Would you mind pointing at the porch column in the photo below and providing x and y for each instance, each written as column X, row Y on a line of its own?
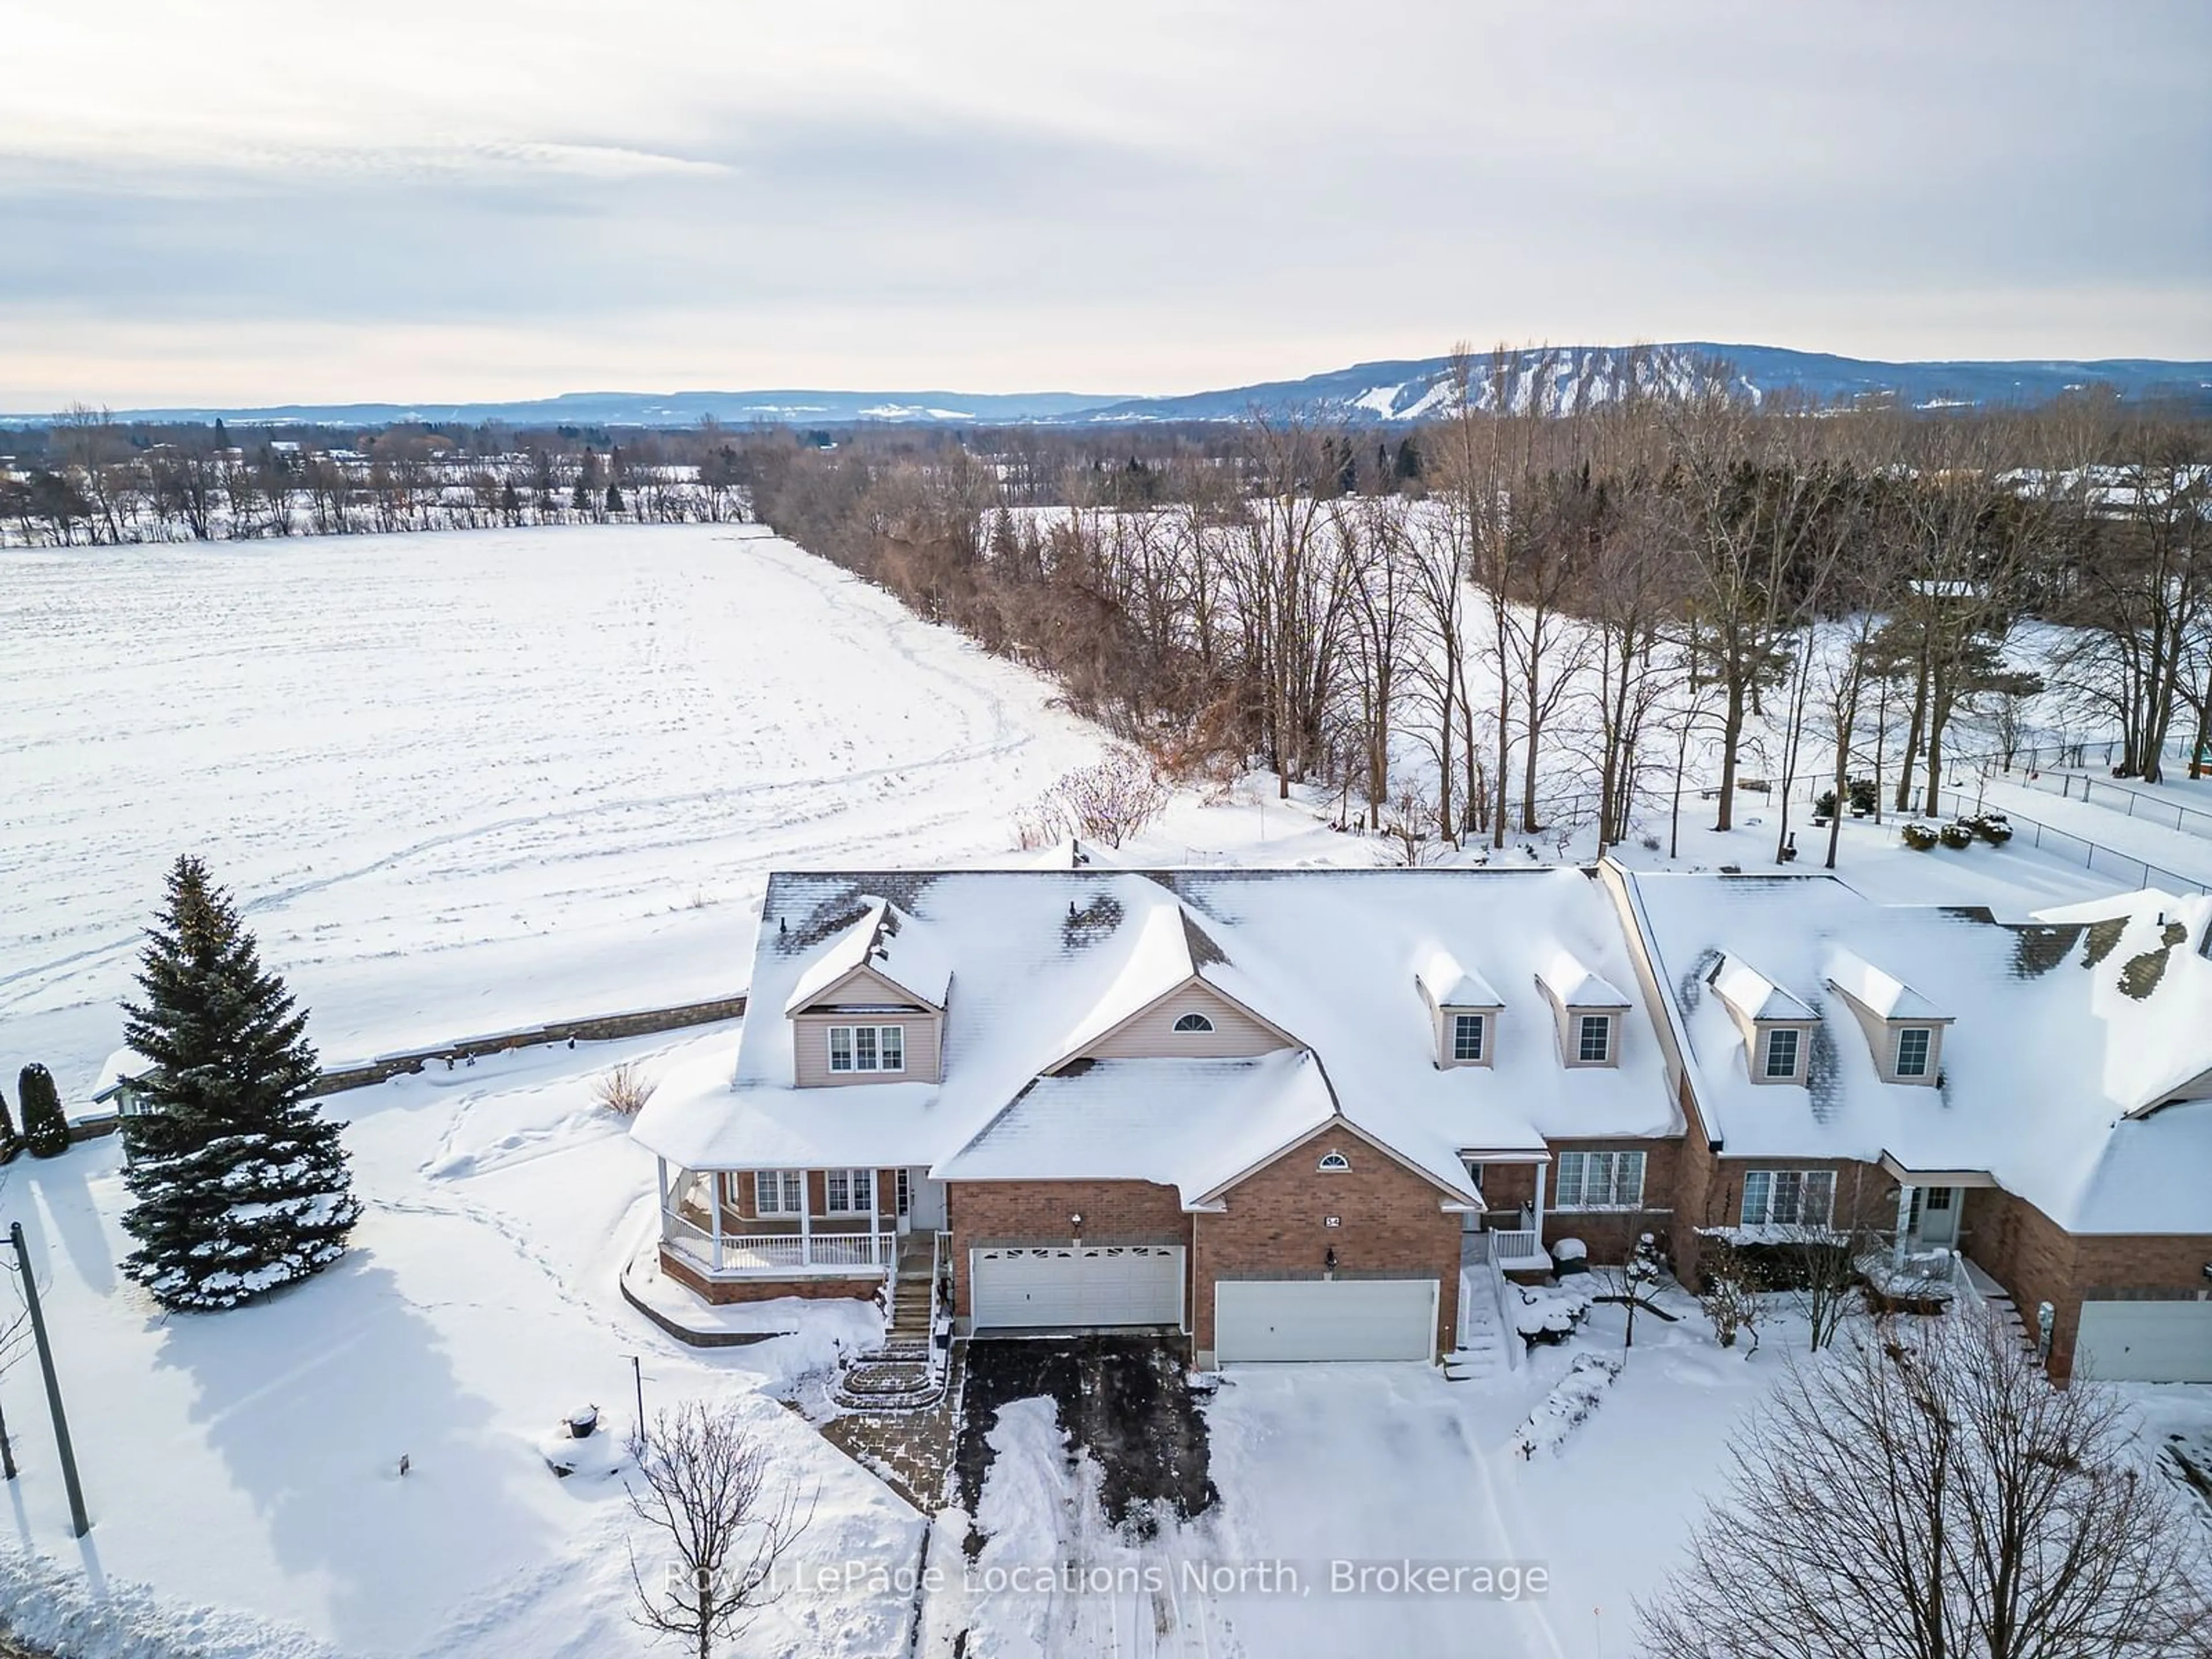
column 1904, row 1190
column 805, row 1225
column 660, row 1185
column 715, row 1207
column 1537, row 1213
column 875, row 1243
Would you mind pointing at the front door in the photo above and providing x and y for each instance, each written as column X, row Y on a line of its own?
column 1936, row 1217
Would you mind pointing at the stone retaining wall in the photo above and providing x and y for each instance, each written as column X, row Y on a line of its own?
column 599, row 1028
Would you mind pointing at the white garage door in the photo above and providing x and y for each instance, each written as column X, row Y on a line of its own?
column 1064, row 1286
column 1324, row 1319
column 2146, row 1341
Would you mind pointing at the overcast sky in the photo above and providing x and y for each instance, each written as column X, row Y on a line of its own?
column 233, row 203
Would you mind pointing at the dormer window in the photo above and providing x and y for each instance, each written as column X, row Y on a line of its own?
column 1461, row 1008
column 1782, row 1044
column 867, row 1048
column 1469, row 1036
column 1194, row 1022
column 1914, row 1045
column 1594, row 1039
column 1904, row 1030
column 1588, row 1011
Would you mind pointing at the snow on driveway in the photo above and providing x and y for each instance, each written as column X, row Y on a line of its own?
column 1367, row 1464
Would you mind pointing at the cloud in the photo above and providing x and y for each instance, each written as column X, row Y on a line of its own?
column 1147, row 197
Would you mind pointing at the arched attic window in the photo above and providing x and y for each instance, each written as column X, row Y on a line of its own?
column 1334, row 1164
column 1194, row 1022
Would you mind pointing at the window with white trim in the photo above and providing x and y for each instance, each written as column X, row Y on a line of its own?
column 1599, row 1180
column 847, row 1191
column 778, row 1192
column 1782, row 1044
column 867, row 1048
column 1334, row 1164
column 1594, row 1038
column 1467, row 1036
column 1194, row 1022
column 1915, row 1045
column 1789, row 1198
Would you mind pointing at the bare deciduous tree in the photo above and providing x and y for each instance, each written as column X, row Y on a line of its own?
column 1926, row 1493
column 701, row 1480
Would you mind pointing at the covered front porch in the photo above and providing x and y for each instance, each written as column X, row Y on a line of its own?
column 1509, row 1230
column 791, row 1224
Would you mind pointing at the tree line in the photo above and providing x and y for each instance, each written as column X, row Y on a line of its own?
column 1607, row 584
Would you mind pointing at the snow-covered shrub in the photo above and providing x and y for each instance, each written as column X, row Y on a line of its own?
column 1545, row 1315
column 624, row 1090
column 1570, row 1255
column 1108, row 802
column 1568, row 1407
column 1919, row 836
column 1824, row 806
column 1958, row 835
column 1866, row 799
column 1992, row 827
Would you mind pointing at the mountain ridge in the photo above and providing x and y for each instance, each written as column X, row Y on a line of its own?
column 1386, row 391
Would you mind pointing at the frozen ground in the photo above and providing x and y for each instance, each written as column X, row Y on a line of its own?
column 471, row 782
column 250, row 1462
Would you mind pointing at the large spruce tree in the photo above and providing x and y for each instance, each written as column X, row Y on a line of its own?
column 242, row 1184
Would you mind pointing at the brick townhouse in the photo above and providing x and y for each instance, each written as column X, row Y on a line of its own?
column 1282, row 1112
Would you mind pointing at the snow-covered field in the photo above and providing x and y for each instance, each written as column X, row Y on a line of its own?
column 472, row 781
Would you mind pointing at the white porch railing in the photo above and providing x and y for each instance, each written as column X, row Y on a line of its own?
column 1512, row 1244
column 739, row 1254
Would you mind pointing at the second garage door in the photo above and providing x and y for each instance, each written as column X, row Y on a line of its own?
column 2146, row 1341
column 1259, row 1319
column 1061, row 1287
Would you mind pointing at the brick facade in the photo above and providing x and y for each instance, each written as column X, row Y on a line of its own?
column 2038, row 1261
column 1040, row 1211
column 721, row 1292
column 1274, row 1224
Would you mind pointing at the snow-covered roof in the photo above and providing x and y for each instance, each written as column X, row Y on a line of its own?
column 1880, row 992
column 1451, row 986
column 2060, row 1029
column 885, row 941
column 123, row 1065
column 1189, row 1124
column 1751, row 994
column 1048, row 960
column 1573, row 983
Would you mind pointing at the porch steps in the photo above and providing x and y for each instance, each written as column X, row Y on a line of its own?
column 898, row 1375
column 1998, row 1300
column 1481, row 1353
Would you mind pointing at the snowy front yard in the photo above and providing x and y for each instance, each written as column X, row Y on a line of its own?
column 242, row 1468
column 249, row 1461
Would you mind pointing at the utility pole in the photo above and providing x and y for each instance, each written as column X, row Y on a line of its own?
column 7, row 1450
column 637, row 1375
column 80, row 1521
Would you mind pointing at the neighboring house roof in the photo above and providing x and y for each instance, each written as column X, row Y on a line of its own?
column 1754, row 995
column 125, row 1068
column 2059, row 1029
column 1048, row 961
column 1450, row 986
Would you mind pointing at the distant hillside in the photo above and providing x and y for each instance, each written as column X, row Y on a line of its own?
column 1408, row 390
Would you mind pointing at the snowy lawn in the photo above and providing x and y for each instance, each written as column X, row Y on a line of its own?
column 465, row 782
column 249, row 1460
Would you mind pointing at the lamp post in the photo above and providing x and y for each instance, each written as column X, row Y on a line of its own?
column 80, row 1522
